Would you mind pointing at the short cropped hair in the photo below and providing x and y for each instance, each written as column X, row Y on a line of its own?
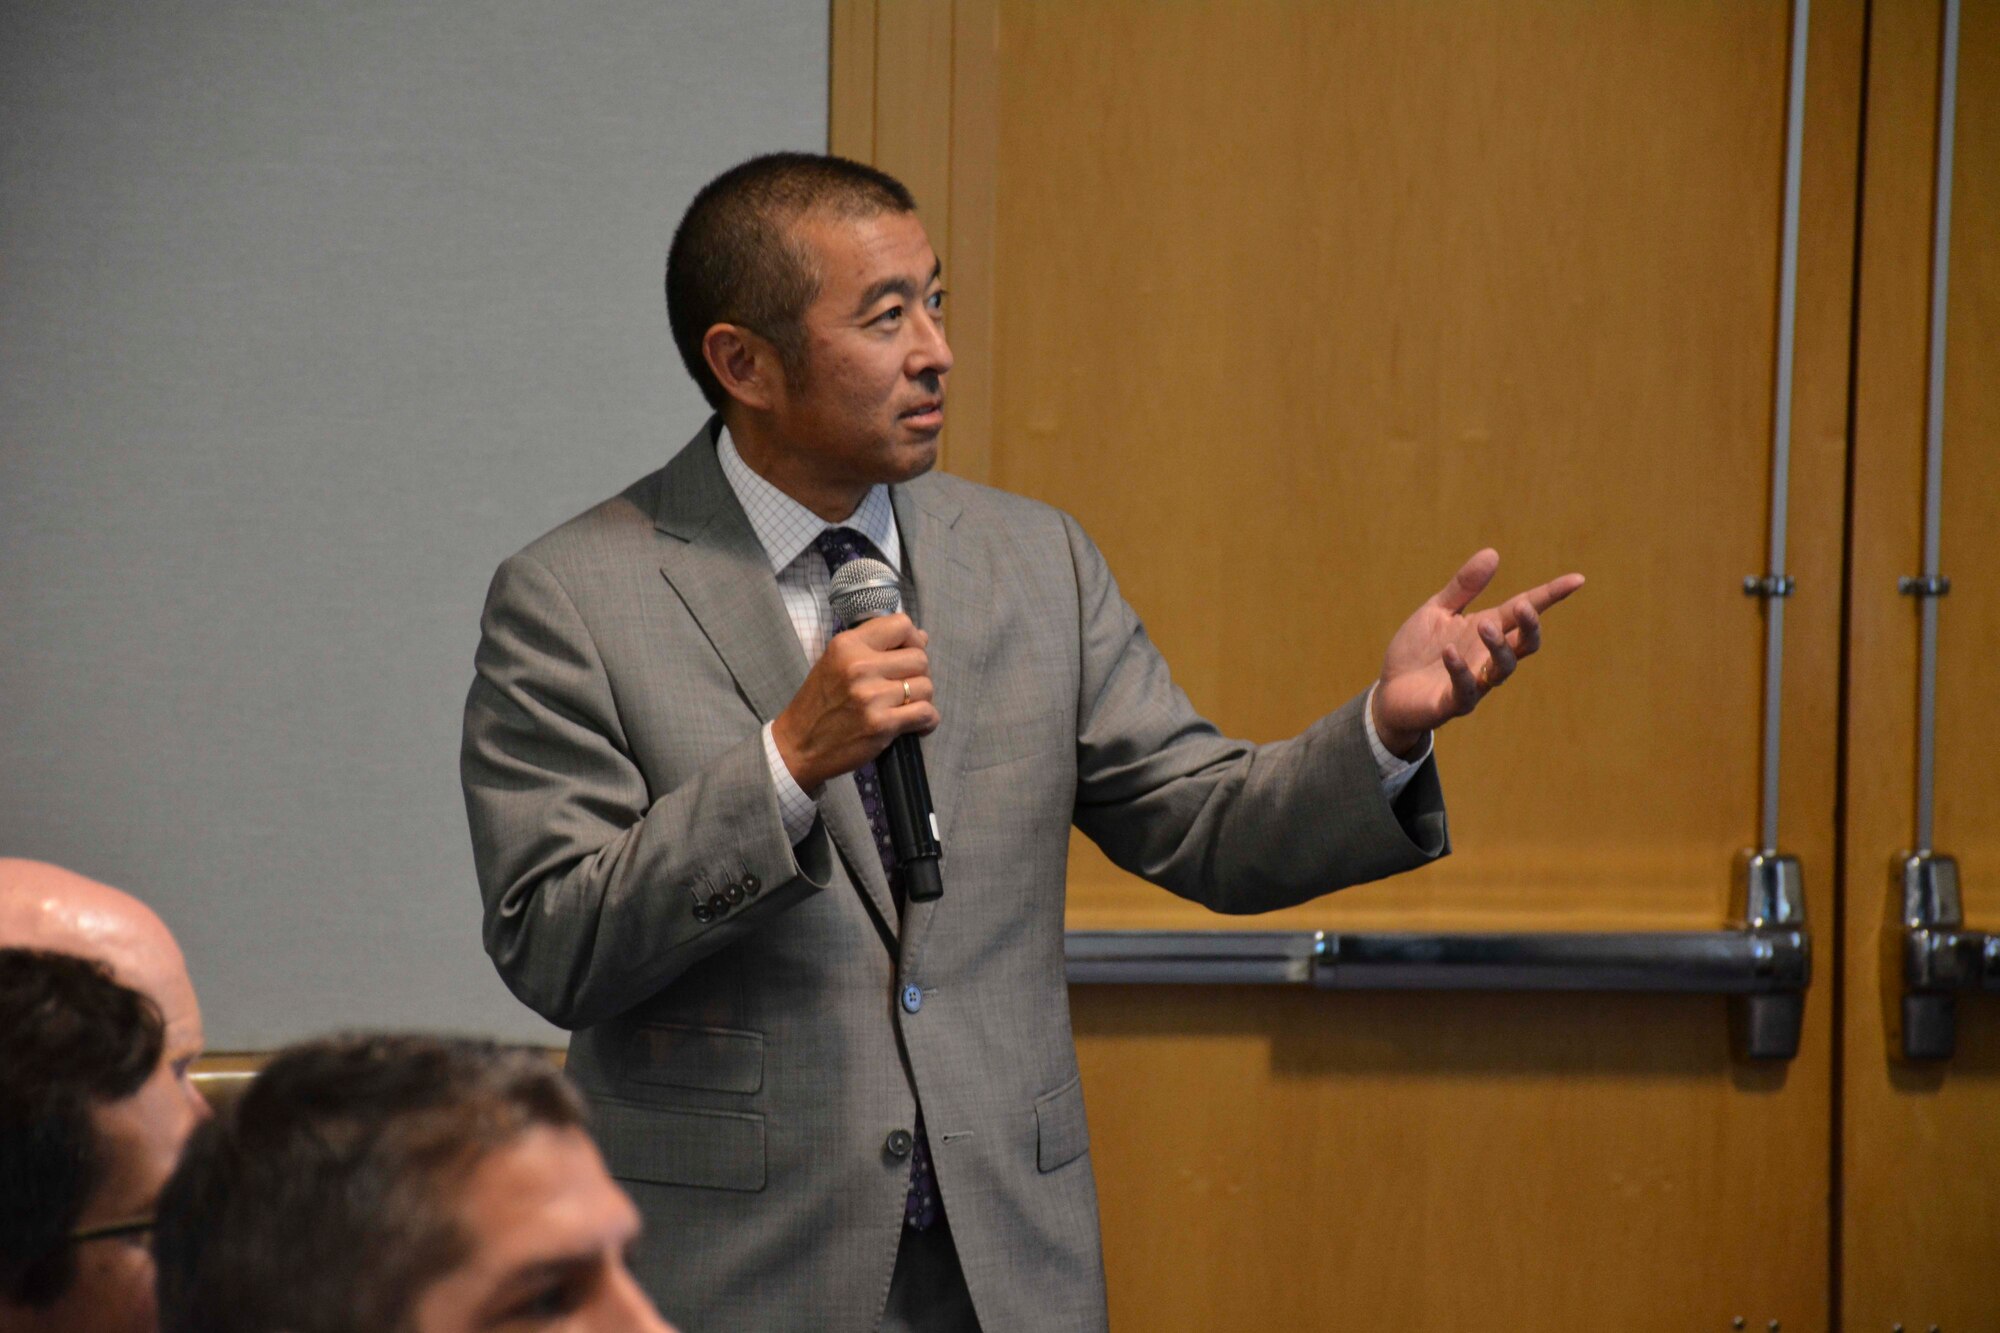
column 71, row 1038
column 323, row 1200
column 734, row 259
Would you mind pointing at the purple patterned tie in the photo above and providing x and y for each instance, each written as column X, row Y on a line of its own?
column 920, row 1204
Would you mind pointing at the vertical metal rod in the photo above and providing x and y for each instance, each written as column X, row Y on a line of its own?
column 1934, row 428
column 1781, row 425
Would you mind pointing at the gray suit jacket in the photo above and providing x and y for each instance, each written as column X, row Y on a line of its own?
column 740, row 1026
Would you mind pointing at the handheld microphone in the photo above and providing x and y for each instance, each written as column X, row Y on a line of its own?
column 862, row 590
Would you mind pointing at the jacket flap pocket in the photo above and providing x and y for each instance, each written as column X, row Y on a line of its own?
column 721, row 1150
column 681, row 1055
column 1061, row 1136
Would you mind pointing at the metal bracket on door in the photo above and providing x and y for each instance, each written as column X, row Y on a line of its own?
column 1939, row 958
column 1770, row 905
column 1764, row 963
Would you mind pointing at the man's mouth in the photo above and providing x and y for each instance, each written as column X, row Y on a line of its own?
column 929, row 412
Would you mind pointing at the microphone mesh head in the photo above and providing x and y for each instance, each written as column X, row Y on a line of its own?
column 864, row 589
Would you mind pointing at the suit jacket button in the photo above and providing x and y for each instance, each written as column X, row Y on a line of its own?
column 898, row 1144
column 913, row 999
column 750, row 885
column 733, row 892
column 717, row 904
column 703, row 913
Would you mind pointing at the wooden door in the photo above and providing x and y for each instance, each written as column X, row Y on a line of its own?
column 1920, row 1142
column 1297, row 304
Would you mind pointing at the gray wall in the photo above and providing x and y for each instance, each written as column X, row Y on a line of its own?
column 309, row 314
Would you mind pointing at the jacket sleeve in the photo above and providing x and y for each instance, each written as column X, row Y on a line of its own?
column 1235, row 826
column 597, row 890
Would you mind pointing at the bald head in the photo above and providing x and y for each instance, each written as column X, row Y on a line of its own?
column 46, row 907
column 135, row 1139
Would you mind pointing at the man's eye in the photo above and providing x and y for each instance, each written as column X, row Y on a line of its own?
column 936, row 301
column 893, row 315
column 550, row 1302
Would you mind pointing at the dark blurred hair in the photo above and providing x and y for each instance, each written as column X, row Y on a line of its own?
column 322, row 1201
column 70, row 1038
column 734, row 259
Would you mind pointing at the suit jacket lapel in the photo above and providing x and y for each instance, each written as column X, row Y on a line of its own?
column 723, row 576
column 948, row 598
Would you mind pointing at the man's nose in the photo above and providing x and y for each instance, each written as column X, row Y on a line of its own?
column 932, row 354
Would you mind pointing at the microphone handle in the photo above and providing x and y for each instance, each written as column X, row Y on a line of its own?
column 906, row 796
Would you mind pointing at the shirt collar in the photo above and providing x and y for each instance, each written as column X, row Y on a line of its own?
column 785, row 528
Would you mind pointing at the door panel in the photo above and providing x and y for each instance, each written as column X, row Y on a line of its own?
column 1920, row 1142
column 1408, row 286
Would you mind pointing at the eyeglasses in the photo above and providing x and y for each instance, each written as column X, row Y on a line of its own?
column 133, row 1226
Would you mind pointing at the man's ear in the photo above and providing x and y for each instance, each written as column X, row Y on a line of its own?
column 745, row 364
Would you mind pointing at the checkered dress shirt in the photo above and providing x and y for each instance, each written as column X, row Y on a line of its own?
column 787, row 530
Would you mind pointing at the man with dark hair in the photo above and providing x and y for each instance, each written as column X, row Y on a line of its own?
column 398, row 1184
column 838, row 1108
column 87, row 1134
column 735, row 261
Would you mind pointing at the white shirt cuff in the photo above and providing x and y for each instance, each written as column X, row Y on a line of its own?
column 1396, row 772
column 796, row 810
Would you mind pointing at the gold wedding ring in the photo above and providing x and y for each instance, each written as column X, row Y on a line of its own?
column 906, row 692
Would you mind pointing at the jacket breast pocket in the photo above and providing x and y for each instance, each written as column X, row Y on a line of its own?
column 682, row 1055
column 659, row 1145
column 1061, row 1136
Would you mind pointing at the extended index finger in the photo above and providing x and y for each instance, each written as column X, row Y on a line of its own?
column 1553, row 591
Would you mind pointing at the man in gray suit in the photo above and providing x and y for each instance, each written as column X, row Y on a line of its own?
column 838, row 1109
